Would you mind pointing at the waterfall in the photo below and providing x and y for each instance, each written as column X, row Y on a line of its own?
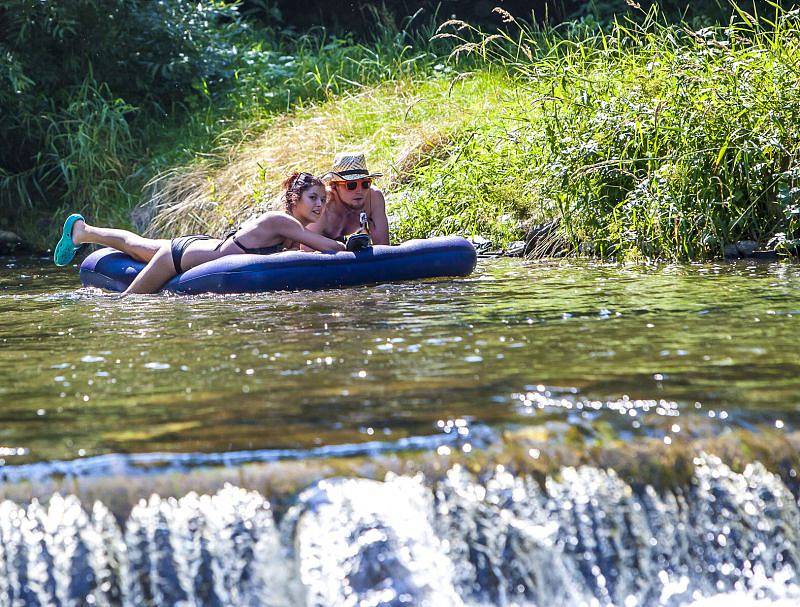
column 204, row 550
column 589, row 538
column 362, row 542
column 582, row 537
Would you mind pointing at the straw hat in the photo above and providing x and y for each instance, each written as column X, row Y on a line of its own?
column 349, row 166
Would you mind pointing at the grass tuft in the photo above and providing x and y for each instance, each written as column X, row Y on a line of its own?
column 647, row 140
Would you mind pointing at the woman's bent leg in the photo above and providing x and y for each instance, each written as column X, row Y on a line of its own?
column 155, row 274
column 138, row 247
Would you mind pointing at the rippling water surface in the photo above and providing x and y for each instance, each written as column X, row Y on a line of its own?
column 562, row 354
column 625, row 349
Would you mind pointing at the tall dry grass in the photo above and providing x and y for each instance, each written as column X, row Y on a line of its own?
column 399, row 125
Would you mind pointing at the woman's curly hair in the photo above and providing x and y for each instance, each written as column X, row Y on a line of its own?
column 294, row 186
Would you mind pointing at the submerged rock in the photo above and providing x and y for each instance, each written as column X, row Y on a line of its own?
column 746, row 248
column 730, row 251
column 750, row 250
column 9, row 242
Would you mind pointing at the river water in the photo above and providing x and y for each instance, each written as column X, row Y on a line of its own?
column 576, row 354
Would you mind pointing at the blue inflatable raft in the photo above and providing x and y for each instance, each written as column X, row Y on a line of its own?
column 293, row 270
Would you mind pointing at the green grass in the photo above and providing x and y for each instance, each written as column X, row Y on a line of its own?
column 401, row 125
column 645, row 141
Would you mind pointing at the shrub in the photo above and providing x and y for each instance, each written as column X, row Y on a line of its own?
column 70, row 73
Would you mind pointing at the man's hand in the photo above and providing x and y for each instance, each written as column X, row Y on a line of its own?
column 357, row 242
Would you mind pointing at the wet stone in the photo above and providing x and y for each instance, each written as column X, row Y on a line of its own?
column 746, row 248
column 730, row 251
column 516, row 249
column 9, row 242
column 766, row 255
column 481, row 243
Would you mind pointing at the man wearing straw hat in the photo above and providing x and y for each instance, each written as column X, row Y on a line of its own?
column 354, row 205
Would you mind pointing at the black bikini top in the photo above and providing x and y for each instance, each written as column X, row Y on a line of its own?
column 277, row 248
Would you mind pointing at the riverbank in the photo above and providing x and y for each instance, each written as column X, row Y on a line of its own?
column 646, row 141
column 637, row 141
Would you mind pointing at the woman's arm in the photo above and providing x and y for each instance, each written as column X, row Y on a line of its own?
column 291, row 229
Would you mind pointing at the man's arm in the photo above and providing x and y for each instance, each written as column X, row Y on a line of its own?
column 380, row 224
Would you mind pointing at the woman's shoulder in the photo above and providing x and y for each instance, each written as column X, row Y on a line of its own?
column 269, row 216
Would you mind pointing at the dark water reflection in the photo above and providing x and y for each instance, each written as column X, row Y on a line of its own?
column 706, row 347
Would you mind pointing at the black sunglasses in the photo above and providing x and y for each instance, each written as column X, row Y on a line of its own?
column 352, row 185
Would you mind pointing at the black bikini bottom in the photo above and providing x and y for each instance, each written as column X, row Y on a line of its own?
column 178, row 247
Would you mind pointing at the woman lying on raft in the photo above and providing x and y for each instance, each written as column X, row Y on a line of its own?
column 304, row 198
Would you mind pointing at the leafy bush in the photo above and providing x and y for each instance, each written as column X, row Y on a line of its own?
column 101, row 95
column 144, row 51
column 69, row 74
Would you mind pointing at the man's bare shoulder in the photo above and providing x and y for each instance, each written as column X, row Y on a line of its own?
column 377, row 198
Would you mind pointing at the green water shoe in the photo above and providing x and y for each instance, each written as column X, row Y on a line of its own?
column 65, row 249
